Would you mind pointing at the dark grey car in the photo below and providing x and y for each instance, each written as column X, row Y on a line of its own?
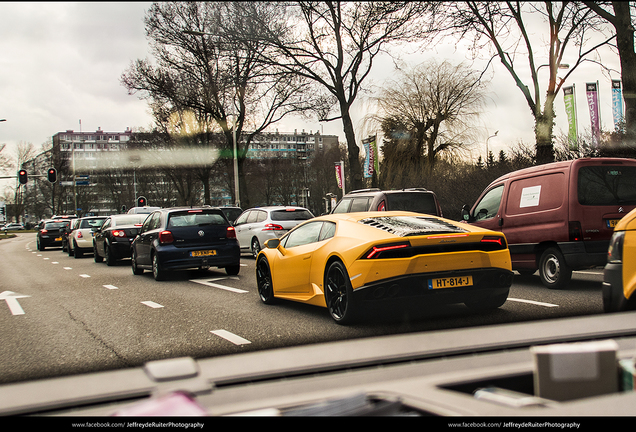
column 417, row 200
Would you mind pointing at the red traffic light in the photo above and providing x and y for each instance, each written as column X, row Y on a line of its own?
column 22, row 176
column 52, row 175
column 141, row 202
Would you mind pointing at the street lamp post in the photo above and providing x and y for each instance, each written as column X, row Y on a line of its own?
column 491, row 136
column 236, row 179
column 235, row 150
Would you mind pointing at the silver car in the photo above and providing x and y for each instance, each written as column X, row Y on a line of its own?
column 256, row 225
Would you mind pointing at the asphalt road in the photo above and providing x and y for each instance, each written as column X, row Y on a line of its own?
column 61, row 315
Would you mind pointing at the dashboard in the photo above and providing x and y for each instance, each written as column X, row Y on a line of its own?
column 439, row 374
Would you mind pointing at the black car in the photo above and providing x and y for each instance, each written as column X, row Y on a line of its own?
column 50, row 233
column 417, row 200
column 181, row 238
column 112, row 240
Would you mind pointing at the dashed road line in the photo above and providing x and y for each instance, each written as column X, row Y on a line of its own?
column 211, row 283
column 111, row 287
column 236, row 340
column 533, row 302
column 152, row 304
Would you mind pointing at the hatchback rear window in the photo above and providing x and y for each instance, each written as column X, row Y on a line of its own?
column 607, row 185
column 56, row 225
column 292, row 214
column 91, row 223
column 415, row 202
column 189, row 219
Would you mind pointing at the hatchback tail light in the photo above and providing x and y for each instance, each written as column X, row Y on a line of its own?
column 165, row 237
column 44, row 231
column 119, row 233
column 272, row 227
column 79, row 234
column 230, row 233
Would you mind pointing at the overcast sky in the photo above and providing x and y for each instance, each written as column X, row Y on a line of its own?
column 61, row 63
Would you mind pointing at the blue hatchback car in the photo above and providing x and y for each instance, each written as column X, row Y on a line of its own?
column 182, row 238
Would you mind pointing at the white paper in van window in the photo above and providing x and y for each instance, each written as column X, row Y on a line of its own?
column 530, row 196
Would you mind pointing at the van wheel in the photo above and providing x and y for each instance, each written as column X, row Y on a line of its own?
column 554, row 272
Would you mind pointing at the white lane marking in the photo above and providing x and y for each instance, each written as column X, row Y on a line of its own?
column 68, row 268
column 84, row 275
column 54, row 262
column 211, row 283
column 236, row 340
column 110, row 287
column 11, row 298
column 152, row 304
column 533, row 302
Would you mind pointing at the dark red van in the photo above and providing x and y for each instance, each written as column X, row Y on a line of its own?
column 558, row 217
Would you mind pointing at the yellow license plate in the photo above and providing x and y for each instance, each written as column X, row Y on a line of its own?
column 611, row 223
column 58, row 239
column 203, row 253
column 451, row 282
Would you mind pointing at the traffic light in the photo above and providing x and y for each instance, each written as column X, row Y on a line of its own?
column 22, row 175
column 52, row 174
column 141, row 202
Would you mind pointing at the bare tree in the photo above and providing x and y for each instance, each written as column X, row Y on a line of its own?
column 5, row 160
column 203, row 66
column 621, row 21
column 430, row 110
column 334, row 44
column 505, row 27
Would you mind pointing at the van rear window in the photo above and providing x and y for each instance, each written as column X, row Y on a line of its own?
column 607, row 185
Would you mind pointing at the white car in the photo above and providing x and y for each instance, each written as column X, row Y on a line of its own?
column 80, row 239
column 256, row 225
column 12, row 227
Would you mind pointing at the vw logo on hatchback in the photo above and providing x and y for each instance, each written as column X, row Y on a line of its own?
column 201, row 233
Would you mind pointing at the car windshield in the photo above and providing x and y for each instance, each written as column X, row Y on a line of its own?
column 204, row 133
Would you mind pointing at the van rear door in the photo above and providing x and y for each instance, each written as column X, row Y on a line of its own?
column 604, row 191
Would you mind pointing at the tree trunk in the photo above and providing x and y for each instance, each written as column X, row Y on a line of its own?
column 544, row 125
column 355, row 169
